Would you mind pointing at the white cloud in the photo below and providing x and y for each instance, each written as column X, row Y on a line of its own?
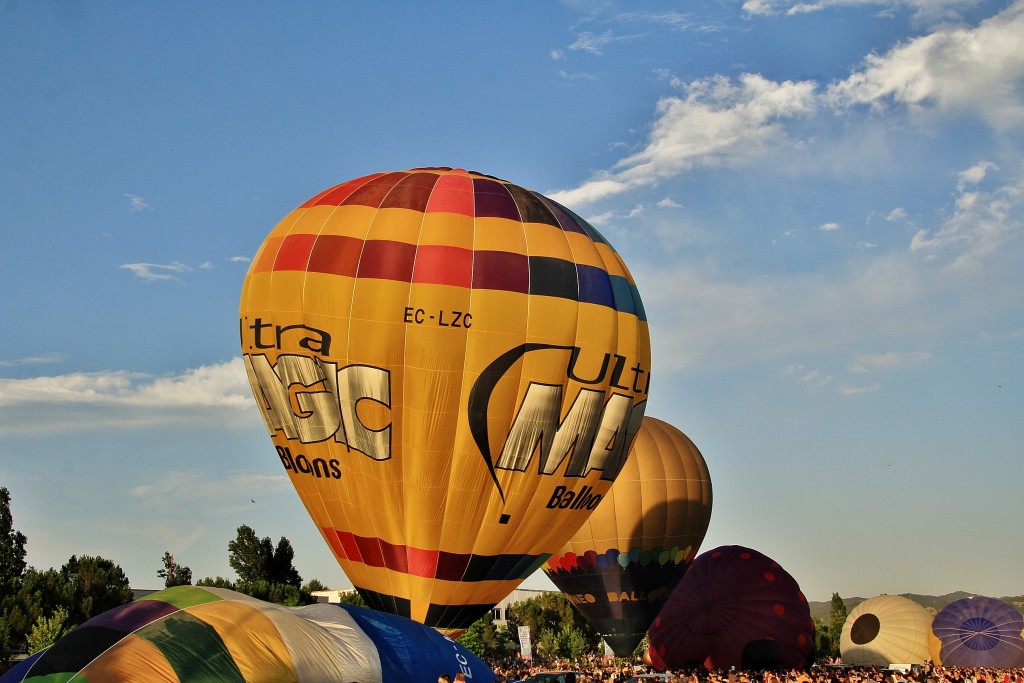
column 847, row 390
column 716, row 121
column 180, row 486
column 974, row 175
column 217, row 394
column 866, row 362
column 206, row 265
column 929, row 11
column 809, row 378
column 828, row 227
column 595, row 43
column 601, row 218
column 556, row 55
column 137, row 203
column 897, row 214
column 239, row 259
column 981, row 223
column 153, row 272
column 953, row 70
column 45, row 359
column 667, row 203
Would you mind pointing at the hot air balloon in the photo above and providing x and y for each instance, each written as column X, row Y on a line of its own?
column 623, row 563
column 978, row 632
column 451, row 369
column 734, row 607
column 886, row 629
column 188, row 633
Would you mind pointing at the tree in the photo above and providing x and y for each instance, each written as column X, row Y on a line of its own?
column 97, row 585
column 836, row 619
column 552, row 618
column 219, row 582
column 250, row 556
column 282, row 569
column 12, row 570
column 12, row 546
column 264, row 572
column 352, row 598
column 47, row 630
column 482, row 638
column 174, row 574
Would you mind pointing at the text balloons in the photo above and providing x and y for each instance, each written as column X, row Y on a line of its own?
column 188, row 633
column 734, row 607
column 978, row 632
column 451, row 369
column 886, row 629
column 620, row 567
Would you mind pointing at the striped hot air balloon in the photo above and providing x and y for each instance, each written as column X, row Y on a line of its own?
column 451, row 369
column 188, row 633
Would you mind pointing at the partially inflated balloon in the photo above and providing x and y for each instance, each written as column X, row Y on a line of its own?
column 623, row 563
column 735, row 607
column 188, row 633
column 452, row 369
column 886, row 629
column 978, row 632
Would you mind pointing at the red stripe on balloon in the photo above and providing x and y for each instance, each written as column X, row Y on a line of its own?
column 452, row 194
column 387, row 260
column 294, row 252
column 333, row 196
column 443, row 265
column 336, row 255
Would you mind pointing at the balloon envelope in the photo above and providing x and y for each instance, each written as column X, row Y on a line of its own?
column 623, row 563
column 978, row 632
column 451, row 369
column 886, row 629
column 734, row 607
column 189, row 633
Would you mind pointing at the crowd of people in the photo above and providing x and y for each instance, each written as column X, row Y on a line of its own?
column 595, row 669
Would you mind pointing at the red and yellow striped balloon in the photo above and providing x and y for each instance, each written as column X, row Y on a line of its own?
column 451, row 369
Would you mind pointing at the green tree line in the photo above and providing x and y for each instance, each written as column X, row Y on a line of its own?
column 38, row 606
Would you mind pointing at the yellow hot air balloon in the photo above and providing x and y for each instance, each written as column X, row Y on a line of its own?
column 623, row 563
column 451, row 369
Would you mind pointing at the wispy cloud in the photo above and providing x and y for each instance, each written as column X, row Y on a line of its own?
column 812, row 379
column 926, row 11
column 847, row 390
column 179, row 486
column 45, row 359
column 866, row 362
column 239, row 259
column 718, row 121
column 594, row 43
column 828, row 227
column 955, row 70
column 137, row 203
column 715, row 121
column 119, row 399
column 155, row 272
column 981, row 222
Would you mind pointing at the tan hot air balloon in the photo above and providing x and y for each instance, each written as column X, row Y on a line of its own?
column 621, row 566
column 886, row 629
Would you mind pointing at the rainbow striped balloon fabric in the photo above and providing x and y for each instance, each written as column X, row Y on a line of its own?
column 188, row 633
column 451, row 369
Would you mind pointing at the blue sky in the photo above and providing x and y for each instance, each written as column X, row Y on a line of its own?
column 821, row 203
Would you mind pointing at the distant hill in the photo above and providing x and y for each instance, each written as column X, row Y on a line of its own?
column 932, row 603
